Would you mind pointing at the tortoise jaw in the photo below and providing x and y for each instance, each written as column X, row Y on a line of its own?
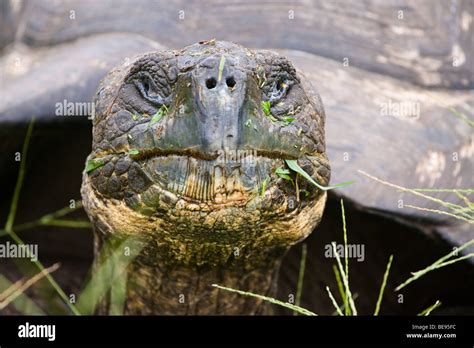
column 219, row 180
column 250, row 182
column 223, row 155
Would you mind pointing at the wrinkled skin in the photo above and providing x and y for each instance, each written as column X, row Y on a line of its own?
column 187, row 160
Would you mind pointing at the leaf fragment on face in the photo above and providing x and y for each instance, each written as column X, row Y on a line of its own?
column 266, row 108
column 293, row 165
column 133, row 152
column 211, row 42
column 135, row 117
column 93, row 164
column 261, row 76
column 266, row 105
column 281, row 170
column 287, row 120
column 283, row 173
column 221, row 69
column 264, row 186
column 248, row 123
column 158, row 116
column 305, row 192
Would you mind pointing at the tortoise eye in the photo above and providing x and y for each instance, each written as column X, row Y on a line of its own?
column 281, row 85
column 146, row 86
column 150, row 90
column 279, row 90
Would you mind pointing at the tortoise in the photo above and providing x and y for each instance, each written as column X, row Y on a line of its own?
column 199, row 183
column 434, row 150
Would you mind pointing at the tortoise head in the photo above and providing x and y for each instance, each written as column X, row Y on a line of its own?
column 189, row 148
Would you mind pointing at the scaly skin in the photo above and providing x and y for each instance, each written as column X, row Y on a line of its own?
column 197, row 183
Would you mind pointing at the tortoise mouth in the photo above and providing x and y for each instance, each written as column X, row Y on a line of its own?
column 220, row 179
column 223, row 155
column 157, row 181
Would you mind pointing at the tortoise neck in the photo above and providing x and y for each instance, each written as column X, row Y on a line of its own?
column 180, row 290
column 160, row 286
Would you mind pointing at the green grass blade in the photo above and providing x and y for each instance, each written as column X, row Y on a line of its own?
column 338, row 310
column 112, row 264
column 451, row 206
column 345, row 281
column 450, row 262
column 266, row 109
column 93, row 164
column 17, row 289
column 118, row 294
column 346, row 259
column 442, row 212
column 13, row 208
column 69, row 223
column 468, row 191
column 442, row 262
column 221, row 69
column 340, row 286
column 464, row 198
column 264, row 186
column 287, row 305
column 430, row 309
column 299, row 287
column 342, row 308
column 46, row 219
column 21, row 176
column 61, row 212
column 293, row 165
column 155, row 119
column 382, row 288
column 50, row 278
column 22, row 303
column 461, row 116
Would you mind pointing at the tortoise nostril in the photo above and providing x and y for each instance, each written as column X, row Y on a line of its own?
column 230, row 81
column 211, row 83
column 230, row 136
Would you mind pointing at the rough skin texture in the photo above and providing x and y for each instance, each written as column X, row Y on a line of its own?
column 188, row 153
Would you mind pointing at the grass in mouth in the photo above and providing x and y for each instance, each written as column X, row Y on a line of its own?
column 283, row 173
column 293, row 165
column 264, row 186
column 93, row 164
